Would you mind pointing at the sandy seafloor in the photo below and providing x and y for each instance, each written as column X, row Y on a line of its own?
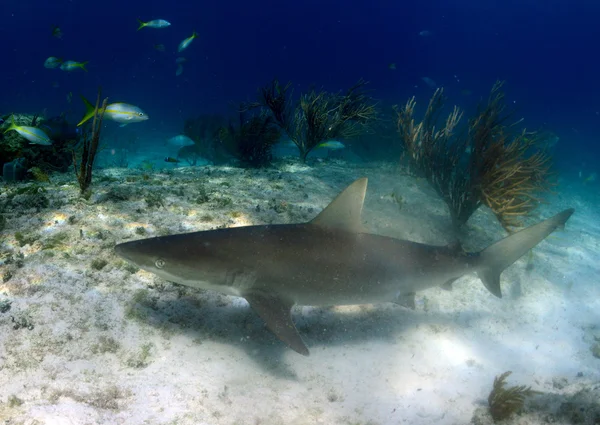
column 89, row 339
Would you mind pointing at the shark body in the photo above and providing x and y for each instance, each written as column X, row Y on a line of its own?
column 329, row 261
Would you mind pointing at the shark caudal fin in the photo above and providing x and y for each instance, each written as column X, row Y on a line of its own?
column 497, row 257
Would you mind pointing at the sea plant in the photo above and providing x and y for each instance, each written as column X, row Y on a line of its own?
column 251, row 138
column 57, row 157
column 204, row 130
column 485, row 163
column 319, row 115
column 503, row 401
column 89, row 148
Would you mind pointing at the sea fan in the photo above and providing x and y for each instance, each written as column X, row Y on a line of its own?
column 506, row 401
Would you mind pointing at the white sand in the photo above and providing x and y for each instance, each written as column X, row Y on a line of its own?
column 110, row 346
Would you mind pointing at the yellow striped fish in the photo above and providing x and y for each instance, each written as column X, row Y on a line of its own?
column 123, row 113
column 186, row 43
column 35, row 135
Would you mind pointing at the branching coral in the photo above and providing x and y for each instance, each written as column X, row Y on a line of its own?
column 504, row 401
column 483, row 164
column 89, row 149
column 319, row 116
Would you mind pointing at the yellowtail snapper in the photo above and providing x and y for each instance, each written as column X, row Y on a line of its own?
column 186, row 43
column 73, row 66
column 57, row 32
column 123, row 113
column 171, row 159
column 155, row 23
column 34, row 135
column 331, row 145
column 52, row 62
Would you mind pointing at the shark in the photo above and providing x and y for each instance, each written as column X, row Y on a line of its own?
column 330, row 260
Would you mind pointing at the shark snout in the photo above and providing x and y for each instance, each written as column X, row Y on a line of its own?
column 124, row 251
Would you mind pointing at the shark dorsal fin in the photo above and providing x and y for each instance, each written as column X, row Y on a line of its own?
column 344, row 211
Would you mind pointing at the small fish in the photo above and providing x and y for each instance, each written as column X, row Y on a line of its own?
column 70, row 97
column 35, row 135
column 52, row 62
column 159, row 47
column 155, row 23
column 546, row 140
column 123, row 113
column 186, row 43
column 288, row 143
column 331, row 145
column 57, row 32
column 171, row 159
column 180, row 141
column 425, row 33
column 180, row 60
column 73, row 66
column 591, row 178
column 392, row 66
column 432, row 84
column 55, row 84
column 179, row 70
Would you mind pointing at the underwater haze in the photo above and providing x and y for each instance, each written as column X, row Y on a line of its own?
column 544, row 50
column 300, row 212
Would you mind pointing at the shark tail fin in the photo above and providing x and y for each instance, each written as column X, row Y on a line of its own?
column 497, row 257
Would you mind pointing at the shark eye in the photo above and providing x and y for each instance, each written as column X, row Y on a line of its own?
column 160, row 263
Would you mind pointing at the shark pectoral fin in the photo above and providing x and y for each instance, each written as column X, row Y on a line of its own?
column 276, row 312
column 491, row 280
column 406, row 300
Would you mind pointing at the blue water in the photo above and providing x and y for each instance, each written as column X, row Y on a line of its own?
column 546, row 51
column 70, row 295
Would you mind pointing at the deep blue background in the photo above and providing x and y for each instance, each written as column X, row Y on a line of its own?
column 547, row 51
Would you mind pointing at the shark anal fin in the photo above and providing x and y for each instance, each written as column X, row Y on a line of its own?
column 406, row 300
column 276, row 312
